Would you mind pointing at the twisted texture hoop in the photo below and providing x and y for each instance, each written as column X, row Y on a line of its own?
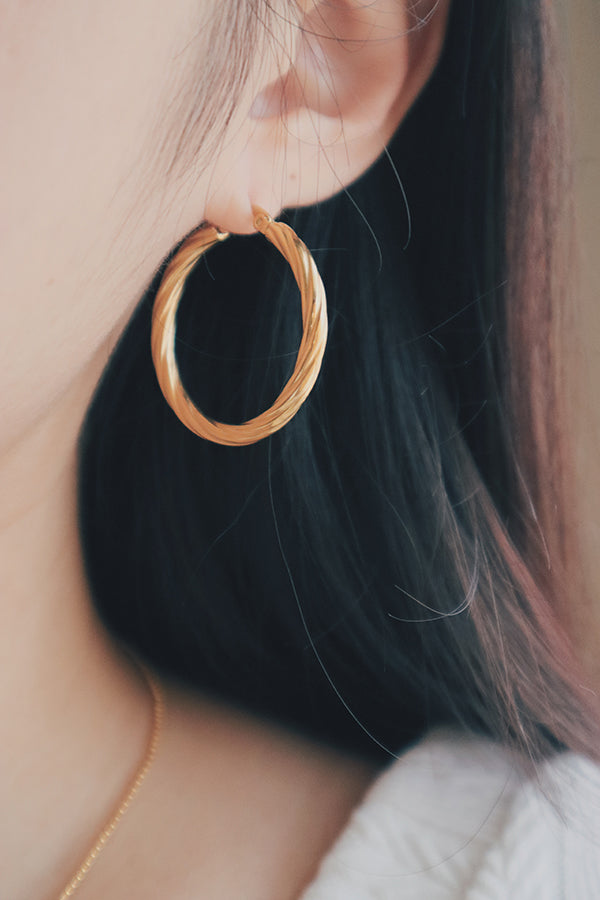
column 310, row 354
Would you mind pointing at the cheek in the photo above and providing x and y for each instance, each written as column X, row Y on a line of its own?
column 81, row 89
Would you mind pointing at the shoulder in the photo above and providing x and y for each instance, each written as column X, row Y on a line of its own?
column 456, row 819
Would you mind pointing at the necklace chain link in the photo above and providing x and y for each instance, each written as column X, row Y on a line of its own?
column 129, row 793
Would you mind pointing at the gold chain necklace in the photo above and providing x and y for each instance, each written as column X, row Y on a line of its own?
column 130, row 792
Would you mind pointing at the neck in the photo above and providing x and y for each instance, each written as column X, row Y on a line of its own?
column 75, row 711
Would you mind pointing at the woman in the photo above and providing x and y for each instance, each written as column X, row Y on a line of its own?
column 389, row 562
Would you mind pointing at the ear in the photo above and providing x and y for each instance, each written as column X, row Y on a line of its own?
column 353, row 68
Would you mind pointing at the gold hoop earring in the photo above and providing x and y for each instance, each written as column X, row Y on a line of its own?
column 310, row 353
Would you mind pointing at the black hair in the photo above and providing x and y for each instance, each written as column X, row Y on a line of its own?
column 375, row 568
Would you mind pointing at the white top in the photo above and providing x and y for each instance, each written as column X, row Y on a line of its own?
column 454, row 819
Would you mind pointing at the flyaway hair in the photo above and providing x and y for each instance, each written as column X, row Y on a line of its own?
column 398, row 556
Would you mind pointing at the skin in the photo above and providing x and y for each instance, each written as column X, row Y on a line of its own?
column 90, row 98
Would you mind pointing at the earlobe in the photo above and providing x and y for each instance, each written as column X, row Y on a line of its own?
column 352, row 70
column 358, row 67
